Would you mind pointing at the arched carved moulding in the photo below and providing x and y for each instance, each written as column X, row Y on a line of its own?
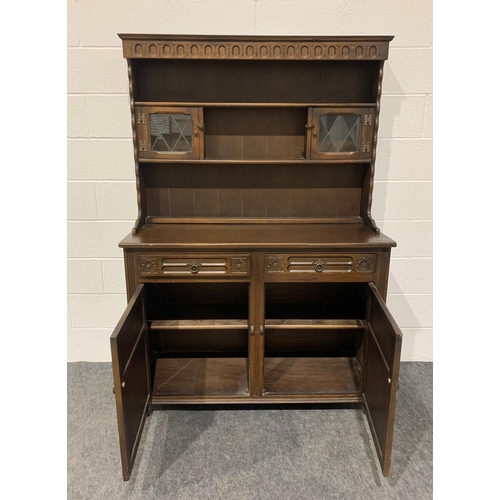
column 193, row 49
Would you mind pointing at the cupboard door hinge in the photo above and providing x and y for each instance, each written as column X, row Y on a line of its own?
column 365, row 148
column 310, row 126
column 141, row 118
column 368, row 119
column 143, row 145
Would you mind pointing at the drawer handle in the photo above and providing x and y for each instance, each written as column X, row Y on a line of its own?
column 318, row 266
column 194, row 266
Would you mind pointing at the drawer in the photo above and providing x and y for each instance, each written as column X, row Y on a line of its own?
column 152, row 265
column 353, row 263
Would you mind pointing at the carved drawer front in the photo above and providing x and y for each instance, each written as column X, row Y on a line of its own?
column 321, row 264
column 159, row 265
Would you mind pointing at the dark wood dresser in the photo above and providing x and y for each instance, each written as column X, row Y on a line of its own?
column 255, row 272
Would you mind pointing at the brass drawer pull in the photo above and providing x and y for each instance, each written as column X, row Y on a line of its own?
column 194, row 267
column 318, row 266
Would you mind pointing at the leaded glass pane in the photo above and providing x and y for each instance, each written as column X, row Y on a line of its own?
column 171, row 133
column 338, row 133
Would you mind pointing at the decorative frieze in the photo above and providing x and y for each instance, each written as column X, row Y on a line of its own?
column 187, row 49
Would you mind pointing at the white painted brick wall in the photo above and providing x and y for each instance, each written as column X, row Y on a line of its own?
column 116, row 200
column 104, row 159
column 113, row 272
column 101, row 192
column 81, row 201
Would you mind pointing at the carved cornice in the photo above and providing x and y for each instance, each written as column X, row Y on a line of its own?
column 343, row 49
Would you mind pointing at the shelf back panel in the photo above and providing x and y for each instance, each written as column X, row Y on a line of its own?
column 249, row 190
column 235, row 81
column 255, row 133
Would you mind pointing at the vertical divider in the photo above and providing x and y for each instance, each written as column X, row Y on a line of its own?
column 256, row 319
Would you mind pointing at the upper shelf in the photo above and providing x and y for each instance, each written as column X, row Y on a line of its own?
column 260, row 104
column 154, row 46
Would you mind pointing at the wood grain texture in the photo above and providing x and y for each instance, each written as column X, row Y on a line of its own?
column 311, row 376
column 313, row 324
column 200, row 324
column 141, row 212
column 129, row 353
column 381, row 373
column 255, row 133
column 256, row 236
column 218, row 191
column 255, row 47
column 366, row 205
column 200, row 377
column 245, row 191
column 255, row 271
column 272, row 81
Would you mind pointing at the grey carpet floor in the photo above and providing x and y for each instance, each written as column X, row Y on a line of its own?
column 247, row 453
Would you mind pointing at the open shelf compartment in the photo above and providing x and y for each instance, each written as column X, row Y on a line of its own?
column 314, row 338
column 199, row 337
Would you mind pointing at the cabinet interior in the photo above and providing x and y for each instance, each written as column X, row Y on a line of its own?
column 199, row 336
column 314, row 337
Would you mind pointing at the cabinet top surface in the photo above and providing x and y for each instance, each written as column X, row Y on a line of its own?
column 170, row 46
column 256, row 236
column 230, row 38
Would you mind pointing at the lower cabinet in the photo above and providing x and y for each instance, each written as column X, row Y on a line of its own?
column 230, row 341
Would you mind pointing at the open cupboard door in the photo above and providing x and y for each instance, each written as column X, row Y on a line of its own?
column 132, row 386
column 381, row 374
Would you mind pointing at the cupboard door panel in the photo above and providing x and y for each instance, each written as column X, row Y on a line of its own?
column 170, row 132
column 341, row 133
column 381, row 374
column 131, row 376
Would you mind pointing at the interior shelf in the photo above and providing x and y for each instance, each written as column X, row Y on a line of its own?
column 200, row 324
column 260, row 104
column 260, row 161
column 200, row 377
column 302, row 376
column 328, row 324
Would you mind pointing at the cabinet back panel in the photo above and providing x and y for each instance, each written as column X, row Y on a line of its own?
column 197, row 301
column 255, row 81
column 264, row 191
column 201, row 342
column 315, row 301
column 312, row 342
column 241, row 133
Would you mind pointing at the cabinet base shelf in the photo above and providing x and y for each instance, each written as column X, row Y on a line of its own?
column 312, row 376
column 329, row 399
column 200, row 377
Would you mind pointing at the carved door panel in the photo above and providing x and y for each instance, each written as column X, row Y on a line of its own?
column 383, row 341
column 132, row 383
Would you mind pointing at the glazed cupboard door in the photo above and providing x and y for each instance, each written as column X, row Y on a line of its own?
column 129, row 354
column 340, row 133
column 170, row 132
column 383, row 340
